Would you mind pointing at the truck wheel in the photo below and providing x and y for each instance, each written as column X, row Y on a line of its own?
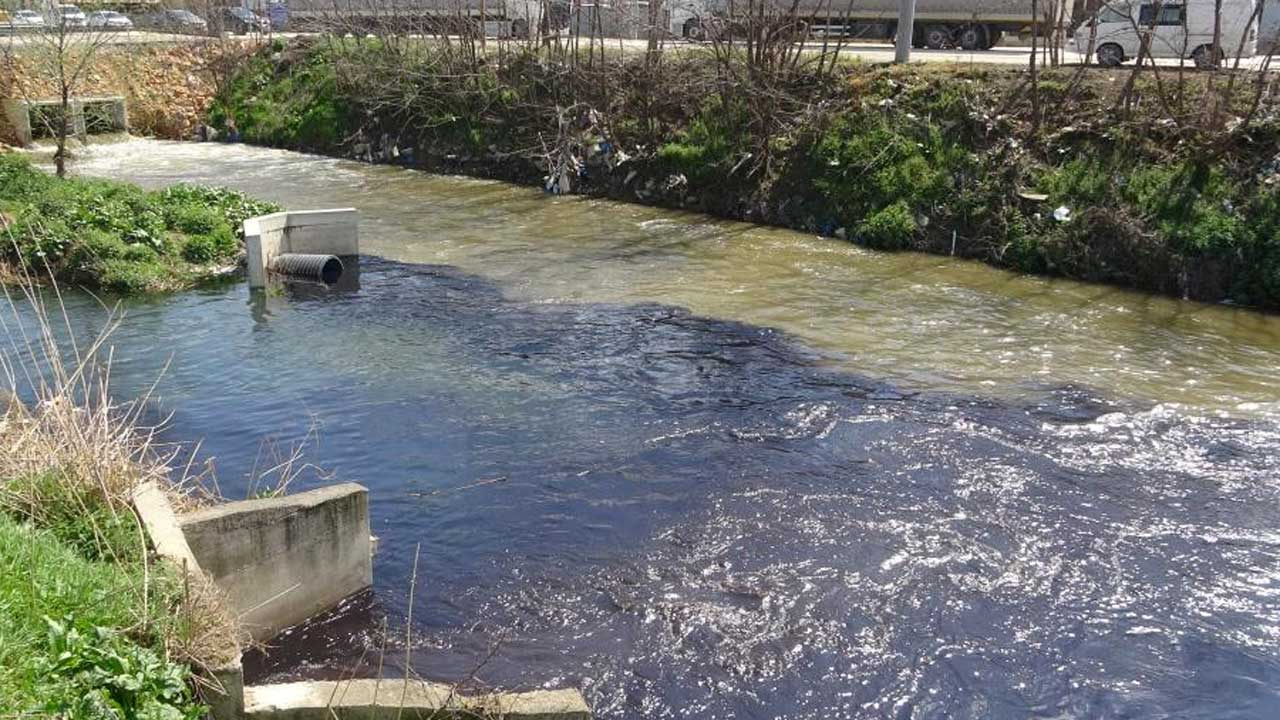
column 973, row 37
column 1206, row 57
column 520, row 29
column 693, row 30
column 1110, row 55
column 937, row 37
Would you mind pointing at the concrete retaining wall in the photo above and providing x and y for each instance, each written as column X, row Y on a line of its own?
column 282, row 560
column 393, row 699
column 328, row 232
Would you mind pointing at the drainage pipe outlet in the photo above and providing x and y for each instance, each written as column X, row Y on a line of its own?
column 324, row 268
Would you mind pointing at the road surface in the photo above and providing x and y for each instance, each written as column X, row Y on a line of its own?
column 865, row 51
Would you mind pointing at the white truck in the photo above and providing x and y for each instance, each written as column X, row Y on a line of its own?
column 968, row 24
column 498, row 18
column 1174, row 28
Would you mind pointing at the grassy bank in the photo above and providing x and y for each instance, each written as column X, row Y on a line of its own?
column 117, row 236
column 78, row 643
column 1167, row 182
column 92, row 626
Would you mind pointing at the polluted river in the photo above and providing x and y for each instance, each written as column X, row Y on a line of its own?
column 699, row 468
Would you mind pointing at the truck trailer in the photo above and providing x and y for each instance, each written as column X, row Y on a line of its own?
column 498, row 18
column 968, row 24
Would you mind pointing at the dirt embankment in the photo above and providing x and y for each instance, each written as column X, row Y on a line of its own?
column 168, row 88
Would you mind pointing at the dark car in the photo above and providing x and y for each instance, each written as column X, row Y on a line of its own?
column 242, row 21
column 174, row 21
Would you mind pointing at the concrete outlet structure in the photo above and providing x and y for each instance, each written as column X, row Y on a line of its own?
column 278, row 561
column 320, row 232
column 112, row 110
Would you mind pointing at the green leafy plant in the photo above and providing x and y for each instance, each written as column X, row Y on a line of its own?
column 115, row 235
column 96, row 674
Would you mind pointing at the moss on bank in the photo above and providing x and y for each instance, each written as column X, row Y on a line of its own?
column 117, row 236
column 950, row 160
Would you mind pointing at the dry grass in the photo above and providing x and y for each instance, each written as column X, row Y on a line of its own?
column 72, row 457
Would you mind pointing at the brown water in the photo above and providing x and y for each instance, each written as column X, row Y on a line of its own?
column 924, row 321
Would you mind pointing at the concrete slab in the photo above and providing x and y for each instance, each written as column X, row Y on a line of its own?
column 397, row 698
column 226, row 698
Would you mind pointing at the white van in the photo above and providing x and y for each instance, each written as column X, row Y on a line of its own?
column 1178, row 29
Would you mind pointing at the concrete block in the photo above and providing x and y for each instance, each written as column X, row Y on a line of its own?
column 19, row 119
column 397, row 698
column 281, row 560
column 226, row 701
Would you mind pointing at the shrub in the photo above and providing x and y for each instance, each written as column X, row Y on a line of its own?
column 878, row 170
column 82, row 667
column 889, row 228
column 235, row 207
column 192, row 218
column 124, row 276
column 139, row 252
column 75, row 515
column 216, row 245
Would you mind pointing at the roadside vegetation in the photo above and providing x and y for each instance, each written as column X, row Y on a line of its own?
column 1163, row 179
column 93, row 626
column 116, row 236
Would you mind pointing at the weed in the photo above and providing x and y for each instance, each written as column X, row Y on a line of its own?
column 115, row 235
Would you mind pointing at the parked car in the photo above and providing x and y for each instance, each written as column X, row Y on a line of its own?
column 109, row 20
column 242, row 21
column 20, row 21
column 174, row 21
column 70, row 17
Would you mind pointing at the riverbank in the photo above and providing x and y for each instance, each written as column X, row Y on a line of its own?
column 116, row 236
column 94, row 625
column 1095, row 175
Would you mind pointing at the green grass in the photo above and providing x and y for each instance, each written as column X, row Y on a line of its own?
column 117, row 236
column 72, row 634
column 287, row 104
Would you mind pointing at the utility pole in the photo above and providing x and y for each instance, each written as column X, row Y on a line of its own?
column 906, row 28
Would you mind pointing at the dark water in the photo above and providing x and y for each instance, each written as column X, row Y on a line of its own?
column 691, row 517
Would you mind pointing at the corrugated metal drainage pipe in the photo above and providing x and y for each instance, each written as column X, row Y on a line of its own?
column 325, row 268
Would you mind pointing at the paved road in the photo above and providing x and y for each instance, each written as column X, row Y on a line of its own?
column 867, row 52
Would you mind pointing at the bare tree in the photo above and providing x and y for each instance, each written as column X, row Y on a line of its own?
column 60, row 54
